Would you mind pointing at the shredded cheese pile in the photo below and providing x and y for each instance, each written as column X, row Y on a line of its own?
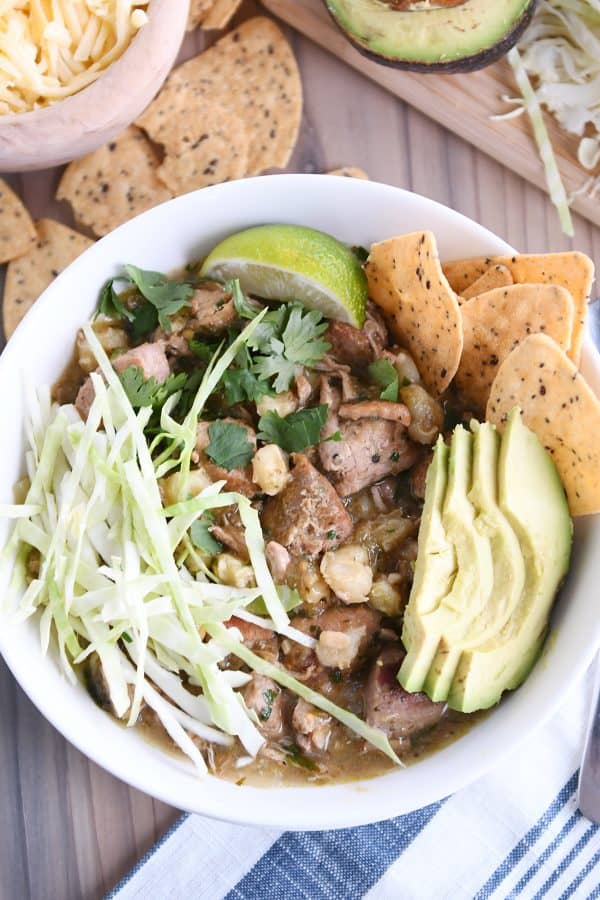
column 50, row 49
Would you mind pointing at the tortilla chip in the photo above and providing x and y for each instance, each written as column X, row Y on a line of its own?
column 28, row 276
column 495, row 277
column 252, row 73
column 113, row 184
column 350, row 172
column 220, row 14
column 560, row 407
column 207, row 146
column 573, row 271
column 461, row 273
column 198, row 9
column 17, row 231
column 406, row 281
column 494, row 323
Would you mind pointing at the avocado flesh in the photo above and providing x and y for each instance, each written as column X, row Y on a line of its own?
column 477, row 624
column 452, row 39
column 533, row 500
column 470, row 588
column 435, row 569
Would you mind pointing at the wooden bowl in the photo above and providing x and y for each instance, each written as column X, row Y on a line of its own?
column 79, row 124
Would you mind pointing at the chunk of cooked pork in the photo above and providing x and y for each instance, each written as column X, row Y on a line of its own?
column 355, row 347
column 265, row 698
column 307, row 517
column 370, row 449
column 391, row 708
column 312, row 727
column 278, row 559
column 375, row 409
column 150, row 358
column 262, row 641
column 212, row 310
column 85, row 398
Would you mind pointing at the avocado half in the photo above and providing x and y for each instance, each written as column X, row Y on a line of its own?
column 433, row 35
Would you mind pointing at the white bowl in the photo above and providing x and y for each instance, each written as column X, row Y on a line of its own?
column 79, row 124
column 165, row 238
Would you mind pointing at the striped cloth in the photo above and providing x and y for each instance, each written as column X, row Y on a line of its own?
column 514, row 833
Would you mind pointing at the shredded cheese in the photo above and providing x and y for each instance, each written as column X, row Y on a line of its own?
column 50, row 49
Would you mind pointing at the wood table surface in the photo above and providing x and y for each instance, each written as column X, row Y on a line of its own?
column 67, row 828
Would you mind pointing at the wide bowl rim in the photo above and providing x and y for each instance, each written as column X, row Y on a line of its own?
column 341, row 805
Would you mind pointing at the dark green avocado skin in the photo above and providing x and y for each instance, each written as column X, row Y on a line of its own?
column 453, row 67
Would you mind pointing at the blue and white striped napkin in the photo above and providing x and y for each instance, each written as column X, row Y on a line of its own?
column 516, row 833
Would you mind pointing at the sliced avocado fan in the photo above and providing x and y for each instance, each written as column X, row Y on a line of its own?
column 505, row 514
column 533, row 500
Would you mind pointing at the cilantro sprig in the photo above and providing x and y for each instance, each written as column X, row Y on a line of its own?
column 143, row 391
column 201, row 535
column 291, row 338
column 288, row 338
column 383, row 373
column 295, row 432
column 163, row 297
column 229, row 446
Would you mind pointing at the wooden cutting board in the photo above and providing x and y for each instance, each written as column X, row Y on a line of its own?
column 461, row 103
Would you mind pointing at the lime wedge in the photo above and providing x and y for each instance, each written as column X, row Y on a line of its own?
column 290, row 262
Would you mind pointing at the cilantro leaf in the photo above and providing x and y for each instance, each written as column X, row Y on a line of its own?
column 383, row 373
column 242, row 384
column 202, row 537
column 301, row 336
column 203, row 350
column 110, row 304
column 290, row 599
column 290, row 339
column 144, row 321
column 276, row 366
column 295, row 432
column 148, row 391
column 391, row 392
column 188, row 395
column 245, row 308
column 229, row 446
column 165, row 295
column 268, row 329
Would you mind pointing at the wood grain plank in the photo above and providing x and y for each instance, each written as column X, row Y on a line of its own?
column 462, row 103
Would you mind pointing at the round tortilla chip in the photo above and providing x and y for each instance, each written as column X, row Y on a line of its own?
column 17, row 231
column 252, row 73
column 29, row 275
column 214, row 149
column 495, row 322
column 406, row 281
column 114, row 183
column 560, row 407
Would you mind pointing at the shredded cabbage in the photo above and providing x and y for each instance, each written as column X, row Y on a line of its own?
column 560, row 51
column 95, row 553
